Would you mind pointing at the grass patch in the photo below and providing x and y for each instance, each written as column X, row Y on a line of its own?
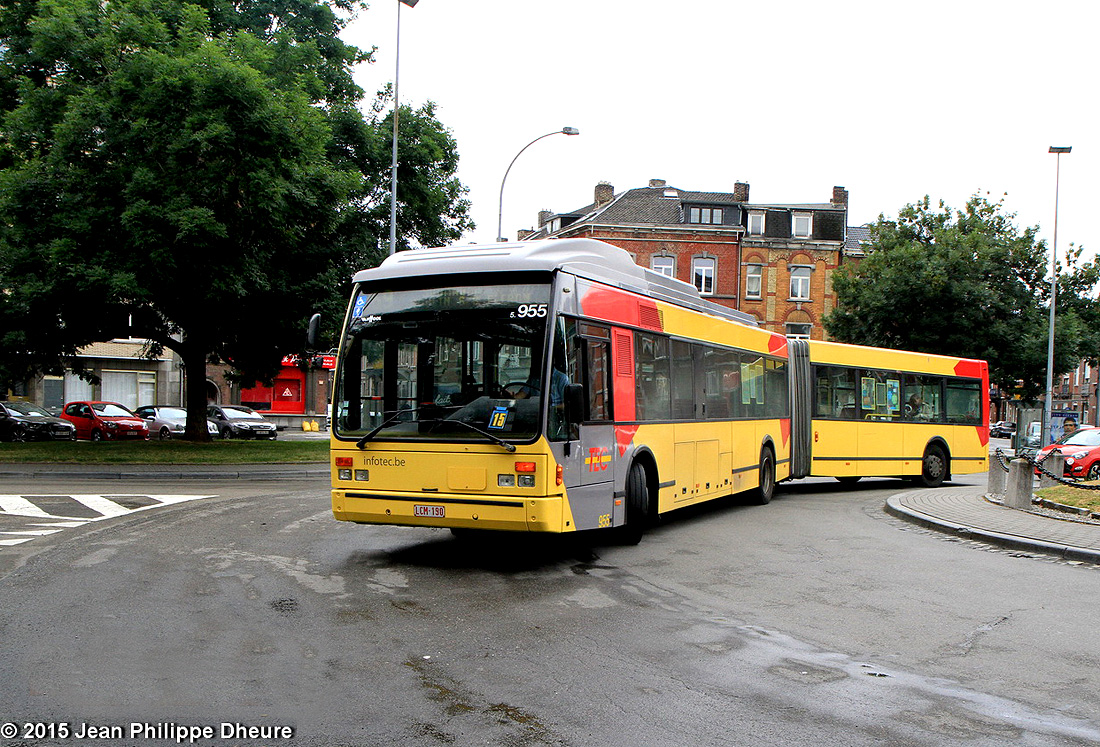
column 165, row 452
column 1068, row 496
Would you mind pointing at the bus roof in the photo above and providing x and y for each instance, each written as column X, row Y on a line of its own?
column 587, row 258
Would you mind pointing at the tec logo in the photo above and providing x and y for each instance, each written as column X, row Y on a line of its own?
column 599, row 458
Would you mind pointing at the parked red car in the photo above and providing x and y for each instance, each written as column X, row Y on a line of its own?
column 1082, row 451
column 98, row 421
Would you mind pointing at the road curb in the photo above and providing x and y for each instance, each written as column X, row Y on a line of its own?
column 1009, row 541
column 172, row 473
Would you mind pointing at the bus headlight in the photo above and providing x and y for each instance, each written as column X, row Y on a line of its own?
column 506, row 481
column 527, row 481
column 343, row 474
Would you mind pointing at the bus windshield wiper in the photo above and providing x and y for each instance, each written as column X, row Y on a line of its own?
column 392, row 420
column 495, row 439
column 361, row 443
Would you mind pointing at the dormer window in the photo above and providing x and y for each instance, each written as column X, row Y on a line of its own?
column 705, row 215
column 802, row 225
column 756, row 223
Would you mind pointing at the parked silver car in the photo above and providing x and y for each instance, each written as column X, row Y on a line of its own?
column 238, row 421
column 169, row 422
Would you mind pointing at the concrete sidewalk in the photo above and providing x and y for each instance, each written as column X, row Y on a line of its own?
column 966, row 513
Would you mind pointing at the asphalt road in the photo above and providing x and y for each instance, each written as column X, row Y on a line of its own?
column 817, row 619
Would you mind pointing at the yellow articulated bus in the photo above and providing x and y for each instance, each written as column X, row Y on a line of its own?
column 872, row 412
column 556, row 386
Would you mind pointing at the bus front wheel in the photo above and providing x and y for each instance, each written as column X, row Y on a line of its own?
column 933, row 467
column 766, row 489
column 637, row 505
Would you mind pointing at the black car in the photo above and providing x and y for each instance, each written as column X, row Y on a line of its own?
column 1002, row 429
column 22, row 421
column 238, row 421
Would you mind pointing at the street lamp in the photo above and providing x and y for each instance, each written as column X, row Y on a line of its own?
column 396, row 109
column 1047, row 409
column 500, row 212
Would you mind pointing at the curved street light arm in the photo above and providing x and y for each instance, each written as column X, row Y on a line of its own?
column 500, row 206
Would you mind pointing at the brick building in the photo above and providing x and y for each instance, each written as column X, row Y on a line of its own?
column 774, row 261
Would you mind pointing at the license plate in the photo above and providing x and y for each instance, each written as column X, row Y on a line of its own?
column 432, row 512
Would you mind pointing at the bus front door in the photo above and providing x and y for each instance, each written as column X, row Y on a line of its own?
column 587, row 473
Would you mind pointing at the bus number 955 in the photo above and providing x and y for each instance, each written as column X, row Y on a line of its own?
column 530, row 310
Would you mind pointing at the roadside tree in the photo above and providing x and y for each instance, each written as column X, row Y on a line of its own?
column 199, row 175
column 967, row 283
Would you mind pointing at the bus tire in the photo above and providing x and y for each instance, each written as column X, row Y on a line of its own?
column 637, row 505
column 765, row 490
column 933, row 467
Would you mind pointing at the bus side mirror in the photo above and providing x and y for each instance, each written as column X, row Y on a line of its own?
column 574, row 404
column 312, row 332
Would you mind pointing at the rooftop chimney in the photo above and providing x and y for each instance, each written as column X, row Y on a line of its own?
column 544, row 217
column 840, row 196
column 741, row 192
column 656, row 183
column 604, row 193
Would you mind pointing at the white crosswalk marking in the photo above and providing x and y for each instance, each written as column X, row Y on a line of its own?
column 106, row 506
column 17, row 505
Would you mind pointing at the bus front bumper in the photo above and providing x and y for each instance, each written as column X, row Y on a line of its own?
column 460, row 511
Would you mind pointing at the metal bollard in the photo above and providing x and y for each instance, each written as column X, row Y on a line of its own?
column 1018, row 489
column 1055, row 463
column 997, row 476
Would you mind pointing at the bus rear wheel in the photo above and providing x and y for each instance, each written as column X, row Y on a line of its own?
column 933, row 467
column 766, row 488
column 637, row 506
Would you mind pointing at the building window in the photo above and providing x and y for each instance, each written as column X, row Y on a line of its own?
column 702, row 273
column 802, row 225
column 800, row 284
column 705, row 215
column 753, row 281
column 756, row 224
column 799, row 330
column 663, row 265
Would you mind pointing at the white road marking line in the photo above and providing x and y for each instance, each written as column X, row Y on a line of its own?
column 9, row 543
column 61, row 524
column 32, row 532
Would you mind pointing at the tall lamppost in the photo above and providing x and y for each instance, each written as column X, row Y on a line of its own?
column 396, row 110
column 1049, row 405
column 500, row 211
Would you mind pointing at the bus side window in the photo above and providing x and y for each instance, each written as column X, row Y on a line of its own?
column 683, row 381
column 598, row 381
column 566, row 360
column 653, row 394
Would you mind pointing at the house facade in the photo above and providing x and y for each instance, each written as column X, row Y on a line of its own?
column 773, row 261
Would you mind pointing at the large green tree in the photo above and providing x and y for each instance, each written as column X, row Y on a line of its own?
column 200, row 174
column 967, row 283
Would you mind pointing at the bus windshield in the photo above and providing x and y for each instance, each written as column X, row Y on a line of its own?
column 443, row 364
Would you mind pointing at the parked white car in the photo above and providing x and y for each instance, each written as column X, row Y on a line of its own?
column 169, row 422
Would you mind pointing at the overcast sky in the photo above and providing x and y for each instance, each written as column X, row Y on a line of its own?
column 890, row 100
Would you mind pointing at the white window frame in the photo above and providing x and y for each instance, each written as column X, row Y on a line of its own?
column 800, row 325
column 667, row 262
column 753, row 216
column 809, row 218
column 705, row 268
column 800, row 281
column 754, row 273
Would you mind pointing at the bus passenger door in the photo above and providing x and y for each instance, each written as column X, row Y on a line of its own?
column 586, row 448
